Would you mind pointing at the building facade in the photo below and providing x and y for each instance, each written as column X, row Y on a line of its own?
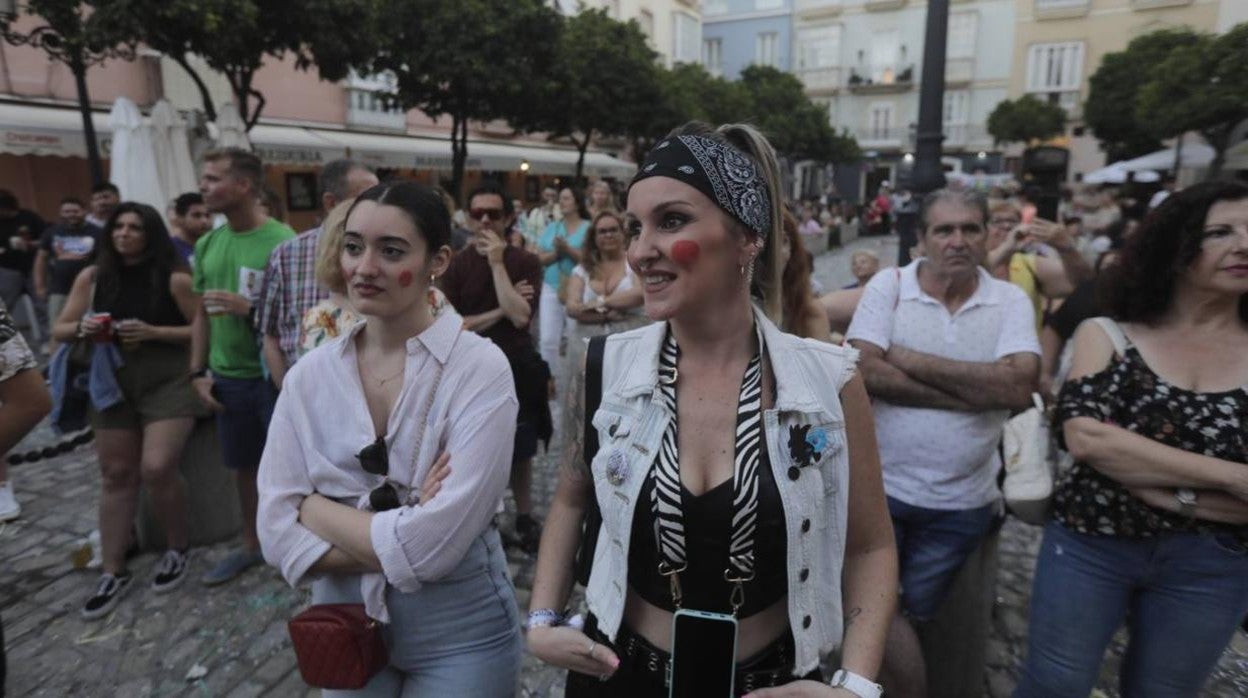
column 741, row 33
column 1058, row 44
column 863, row 59
column 674, row 27
column 305, row 123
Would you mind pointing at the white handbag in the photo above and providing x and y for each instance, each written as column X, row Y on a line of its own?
column 1028, row 486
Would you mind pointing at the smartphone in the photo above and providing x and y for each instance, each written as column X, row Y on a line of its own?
column 704, row 655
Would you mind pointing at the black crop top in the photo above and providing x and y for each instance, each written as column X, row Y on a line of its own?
column 708, row 525
column 135, row 297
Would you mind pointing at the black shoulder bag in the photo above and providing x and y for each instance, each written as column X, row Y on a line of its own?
column 593, row 515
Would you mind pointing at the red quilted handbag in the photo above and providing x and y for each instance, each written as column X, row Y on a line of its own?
column 338, row 646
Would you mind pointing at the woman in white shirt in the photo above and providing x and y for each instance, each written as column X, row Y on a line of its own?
column 604, row 295
column 361, row 419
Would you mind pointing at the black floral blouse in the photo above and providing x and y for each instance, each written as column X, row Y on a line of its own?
column 1128, row 394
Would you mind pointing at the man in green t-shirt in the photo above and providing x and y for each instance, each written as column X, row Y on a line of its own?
column 225, row 350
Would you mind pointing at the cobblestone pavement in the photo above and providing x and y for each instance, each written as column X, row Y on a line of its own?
column 237, row 633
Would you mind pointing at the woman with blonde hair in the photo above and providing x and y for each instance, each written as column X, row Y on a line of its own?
column 601, row 199
column 604, row 295
column 334, row 315
column 734, row 466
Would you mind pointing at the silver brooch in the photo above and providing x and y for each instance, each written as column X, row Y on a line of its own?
column 617, row 468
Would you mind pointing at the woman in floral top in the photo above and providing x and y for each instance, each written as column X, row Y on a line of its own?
column 334, row 315
column 1151, row 523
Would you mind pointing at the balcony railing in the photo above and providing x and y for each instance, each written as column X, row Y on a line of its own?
column 894, row 137
column 1061, row 9
column 967, row 136
column 882, row 78
column 369, row 110
column 818, row 8
column 884, row 4
column 821, row 79
column 959, row 70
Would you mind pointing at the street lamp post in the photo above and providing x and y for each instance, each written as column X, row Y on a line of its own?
column 928, row 175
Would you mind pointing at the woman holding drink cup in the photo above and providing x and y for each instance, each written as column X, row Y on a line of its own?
column 138, row 293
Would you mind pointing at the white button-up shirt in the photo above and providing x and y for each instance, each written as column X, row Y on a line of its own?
column 321, row 422
column 941, row 459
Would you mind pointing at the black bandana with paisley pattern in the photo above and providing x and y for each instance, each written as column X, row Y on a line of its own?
column 726, row 175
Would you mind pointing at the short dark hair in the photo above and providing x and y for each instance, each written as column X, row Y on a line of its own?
column 1140, row 288
column 334, row 177
column 105, row 186
column 492, row 188
column 421, row 203
column 8, row 200
column 969, row 198
column 72, row 200
column 243, row 164
column 184, row 202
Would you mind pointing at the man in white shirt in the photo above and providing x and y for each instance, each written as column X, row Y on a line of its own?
column 947, row 351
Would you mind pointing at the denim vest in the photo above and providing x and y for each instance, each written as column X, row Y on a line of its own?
column 811, row 473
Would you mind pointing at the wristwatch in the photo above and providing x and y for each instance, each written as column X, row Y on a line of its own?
column 1187, row 502
column 860, row 686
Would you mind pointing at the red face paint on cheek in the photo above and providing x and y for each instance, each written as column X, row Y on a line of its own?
column 405, row 279
column 685, row 252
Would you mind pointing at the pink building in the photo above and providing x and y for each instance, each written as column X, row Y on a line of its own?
column 305, row 123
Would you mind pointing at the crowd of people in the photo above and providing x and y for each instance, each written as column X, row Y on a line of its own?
column 807, row 472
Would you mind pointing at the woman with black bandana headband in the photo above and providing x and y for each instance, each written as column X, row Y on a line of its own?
column 734, row 466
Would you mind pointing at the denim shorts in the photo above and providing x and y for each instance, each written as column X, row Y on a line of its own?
column 932, row 544
column 243, row 425
column 455, row 636
column 1181, row 595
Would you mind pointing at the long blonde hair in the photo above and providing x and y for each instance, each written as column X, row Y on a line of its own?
column 768, row 271
column 328, row 266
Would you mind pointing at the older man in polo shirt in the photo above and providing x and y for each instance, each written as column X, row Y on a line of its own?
column 290, row 288
column 947, row 351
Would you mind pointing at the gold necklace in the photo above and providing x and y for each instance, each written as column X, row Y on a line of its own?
column 381, row 382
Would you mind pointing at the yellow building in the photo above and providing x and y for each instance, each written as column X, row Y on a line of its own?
column 1058, row 44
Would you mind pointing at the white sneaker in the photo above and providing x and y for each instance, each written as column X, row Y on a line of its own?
column 9, row 508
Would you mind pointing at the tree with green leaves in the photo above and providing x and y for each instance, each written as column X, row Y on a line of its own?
column 604, row 82
column 1025, row 120
column 1200, row 87
column 687, row 92
column 70, row 33
column 468, row 60
column 797, row 127
column 235, row 37
column 1113, row 91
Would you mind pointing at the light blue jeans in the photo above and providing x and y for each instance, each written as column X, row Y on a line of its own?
column 1182, row 595
column 458, row 636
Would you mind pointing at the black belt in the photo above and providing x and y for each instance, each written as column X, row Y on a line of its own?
column 770, row 666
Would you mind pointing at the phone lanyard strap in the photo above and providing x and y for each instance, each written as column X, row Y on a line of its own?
column 666, row 492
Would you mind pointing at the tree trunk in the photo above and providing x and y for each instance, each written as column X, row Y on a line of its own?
column 210, row 110
column 79, row 69
column 459, row 155
column 581, row 147
column 1219, row 139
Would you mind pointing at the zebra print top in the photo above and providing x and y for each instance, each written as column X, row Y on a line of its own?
column 737, row 525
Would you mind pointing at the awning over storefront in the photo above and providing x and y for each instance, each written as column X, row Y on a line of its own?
column 27, row 129
column 378, row 150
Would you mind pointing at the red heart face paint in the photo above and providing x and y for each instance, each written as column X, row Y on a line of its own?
column 405, row 279
column 685, row 252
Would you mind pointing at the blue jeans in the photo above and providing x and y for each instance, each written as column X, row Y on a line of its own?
column 932, row 544
column 244, row 424
column 1182, row 595
column 456, row 636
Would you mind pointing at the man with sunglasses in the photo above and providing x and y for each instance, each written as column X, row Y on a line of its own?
column 492, row 285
